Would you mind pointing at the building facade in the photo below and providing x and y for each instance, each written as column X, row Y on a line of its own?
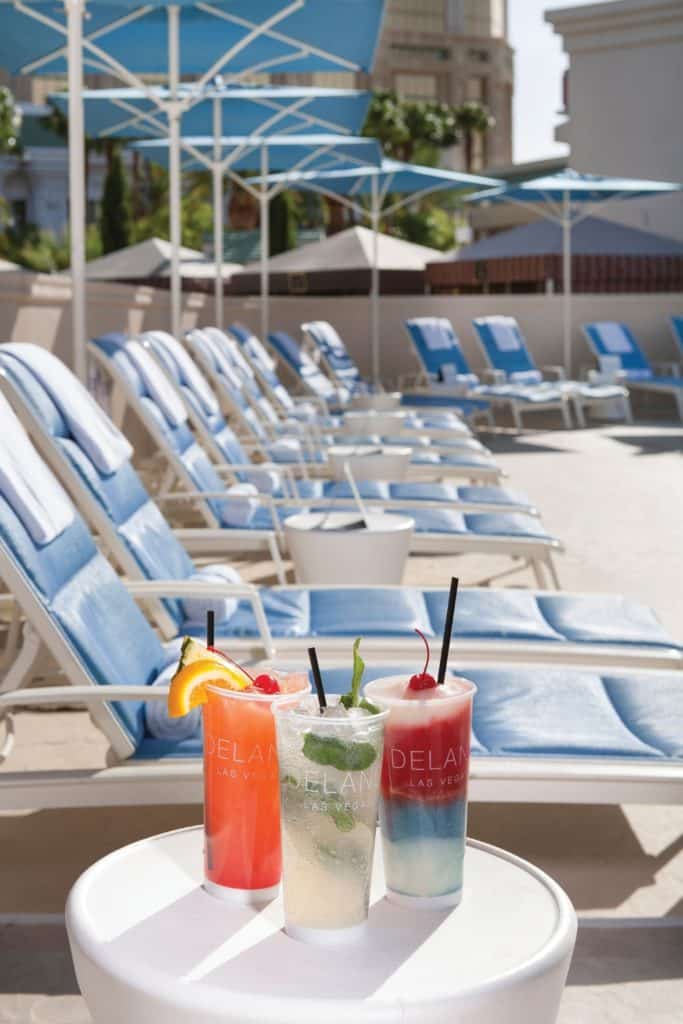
column 624, row 114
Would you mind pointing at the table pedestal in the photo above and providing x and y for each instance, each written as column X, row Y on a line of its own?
column 150, row 946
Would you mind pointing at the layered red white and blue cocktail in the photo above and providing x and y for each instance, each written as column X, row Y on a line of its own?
column 423, row 807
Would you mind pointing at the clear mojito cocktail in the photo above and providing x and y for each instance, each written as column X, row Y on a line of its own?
column 330, row 767
column 425, row 769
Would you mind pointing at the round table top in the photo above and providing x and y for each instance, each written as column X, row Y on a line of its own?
column 336, row 522
column 370, row 451
column 141, row 916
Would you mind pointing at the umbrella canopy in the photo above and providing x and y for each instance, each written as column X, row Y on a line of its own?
column 343, row 264
column 591, row 236
column 246, row 153
column 257, row 110
column 571, row 186
column 352, row 249
column 150, row 259
column 390, row 177
column 228, row 35
column 381, row 183
column 568, row 197
column 129, row 39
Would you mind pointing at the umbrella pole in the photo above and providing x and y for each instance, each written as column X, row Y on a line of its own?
column 265, row 243
column 174, row 198
column 567, row 284
column 374, row 283
column 74, row 13
column 217, row 173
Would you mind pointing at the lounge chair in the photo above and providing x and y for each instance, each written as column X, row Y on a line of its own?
column 308, row 375
column 618, row 353
column 505, row 348
column 444, row 370
column 555, row 732
column 445, row 433
column 426, row 462
column 438, row 426
column 440, row 528
column 224, row 447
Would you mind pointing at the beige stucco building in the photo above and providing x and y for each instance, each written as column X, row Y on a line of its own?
column 448, row 50
column 624, row 94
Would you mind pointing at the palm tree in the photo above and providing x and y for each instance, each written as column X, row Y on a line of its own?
column 472, row 119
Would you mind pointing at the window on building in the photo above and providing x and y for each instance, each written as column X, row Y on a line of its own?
column 415, row 15
column 441, row 53
column 476, row 89
column 417, row 87
column 478, row 56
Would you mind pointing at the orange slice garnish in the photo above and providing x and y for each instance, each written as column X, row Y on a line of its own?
column 188, row 686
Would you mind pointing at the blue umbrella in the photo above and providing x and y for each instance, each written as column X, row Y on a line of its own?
column 381, row 184
column 129, row 39
column 250, row 111
column 567, row 197
column 230, row 155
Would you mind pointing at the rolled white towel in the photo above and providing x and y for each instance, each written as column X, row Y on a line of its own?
column 239, row 505
column 195, row 608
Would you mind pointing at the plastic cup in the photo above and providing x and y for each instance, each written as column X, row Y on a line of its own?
column 330, row 768
column 423, row 806
column 242, row 847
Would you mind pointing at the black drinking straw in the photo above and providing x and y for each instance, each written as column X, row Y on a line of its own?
column 210, row 629
column 317, row 678
column 447, row 630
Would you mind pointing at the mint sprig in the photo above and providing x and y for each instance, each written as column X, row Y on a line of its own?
column 352, row 699
column 345, row 756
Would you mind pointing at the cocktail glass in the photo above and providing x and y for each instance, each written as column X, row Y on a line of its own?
column 330, row 768
column 242, row 851
column 423, row 806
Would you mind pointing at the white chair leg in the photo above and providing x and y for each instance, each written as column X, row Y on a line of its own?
column 550, row 565
column 628, row 412
column 23, row 663
column 567, row 416
column 516, row 416
column 537, row 568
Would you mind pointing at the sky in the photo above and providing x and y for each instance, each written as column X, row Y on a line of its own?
column 539, row 66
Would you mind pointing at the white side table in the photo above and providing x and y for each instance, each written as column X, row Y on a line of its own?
column 370, row 421
column 381, row 401
column 376, row 553
column 151, row 947
column 370, row 462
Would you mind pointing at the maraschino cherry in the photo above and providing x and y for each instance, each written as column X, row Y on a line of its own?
column 266, row 684
column 423, row 680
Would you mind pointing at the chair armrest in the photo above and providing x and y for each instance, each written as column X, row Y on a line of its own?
column 558, row 372
column 495, row 376
column 79, row 695
column 672, row 368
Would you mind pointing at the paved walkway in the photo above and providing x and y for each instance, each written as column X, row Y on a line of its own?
column 615, row 496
